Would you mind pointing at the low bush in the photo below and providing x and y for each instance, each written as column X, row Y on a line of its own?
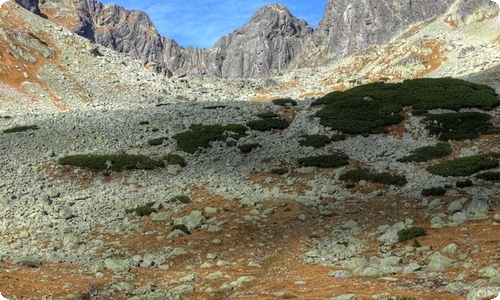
column 175, row 159
column 325, row 161
column 268, row 124
column 116, row 163
column 434, row 191
column 246, row 148
column 157, row 141
column 489, row 176
column 144, row 210
column 316, row 140
column 338, row 137
column 267, row 115
column 464, row 183
column 181, row 199
column 458, row 126
column 21, row 129
column 358, row 174
column 463, row 166
column 410, row 233
column 427, row 153
column 283, row 102
column 181, row 227
column 199, row 136
column 279, row 171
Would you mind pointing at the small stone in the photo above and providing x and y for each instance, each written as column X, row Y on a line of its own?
column 29, row 261
column 302, row 217
column 450, row 248
column 182, row 289
column 345, row 297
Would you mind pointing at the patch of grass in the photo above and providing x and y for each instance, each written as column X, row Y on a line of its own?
column 463, row 166
column 489, row 176
column 144, row 210
column 410, row 233
column 279, row 171
column 434, row 191
column 427, row 153
column 267, row 115
column 268, row 124
column 464, row 183
column 181, row 227
column 181, row 198
column 199, row 136
column 157, row 141
column 325, row 161
column 246, row 148
column 370, row 108
column 110, row 162
column 358, row 174
column 284, row 102
column 316, row 140
column 21, row 129
column 458, row 126
column 175, row 159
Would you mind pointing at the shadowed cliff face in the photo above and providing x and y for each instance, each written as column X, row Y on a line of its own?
column 271, row 42
column 31, row 5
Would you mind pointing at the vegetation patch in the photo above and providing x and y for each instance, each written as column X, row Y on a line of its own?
column 175, row 159
column 434, row 191
column 21, row 129
column 410, row 233
column 279, row 171
column 284, row 102
column 157, row 141
column 181, row 198
column 181, row 227
column 199, row 136
column 268, row 124
column 387, row 178
column 246, row 148
column 489, row 176
column 464, row 183
column 427, row 153
column 144, row 210
column 372, row 107
column 463, row 166
column 325, row 161
column 267, row 115
column 459, row 126
column 316, row 140
column 117, row 163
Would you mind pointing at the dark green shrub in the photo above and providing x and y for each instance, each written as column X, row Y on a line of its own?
column 463, row 166
column 246, row 148
column 416, row 243
column 181, row 227
column 350, row 185
column 143, row 122
column 489, row 176
column 116, row 163
column 267, row 115
column 200, row 136
column 157, row 141
column 316, row 140
column 325, row 161
column 181, row 198
column 464, row 183
column 21, row 129
column 338, row 137
column 279, row 171
column 458, row 126
column 428, row 153
column 268, row 124
column 410, row 233
column 358, row 174
column 283, row 102
column 419, row 112
column 144, row 210
column 434, row 191
column 175, row 159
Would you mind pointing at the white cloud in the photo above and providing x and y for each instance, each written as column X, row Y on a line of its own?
column 498, row 3
column 1, row 3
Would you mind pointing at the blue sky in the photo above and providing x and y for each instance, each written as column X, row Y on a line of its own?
column 200, row 23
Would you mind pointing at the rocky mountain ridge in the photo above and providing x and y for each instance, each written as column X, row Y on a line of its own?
column 260, row 49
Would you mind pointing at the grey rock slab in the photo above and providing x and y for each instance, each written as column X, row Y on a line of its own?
column 345, row 297
column 343, row 274
column 215, row 275
column 117, row 266
column 438, row 262
column 458, row 288
column 483, row 292
column 182, row 289
column 29, row 261
column 450, row 248
column 489, row 272
column 190, row 278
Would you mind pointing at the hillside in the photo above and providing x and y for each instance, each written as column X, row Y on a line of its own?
column 118, row 182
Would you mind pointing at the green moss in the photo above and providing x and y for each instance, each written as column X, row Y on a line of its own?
column 463, row 166
column 144, row 210
column 116, row 163
column 21, row 129
column 283, row 102
column 427, row 153
column 268, row 124
column 316, row 140
column 199, row 136
column 246, row 148
column 325, row 161
column 410, row 233
column 434, row 191
column 175, row 159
